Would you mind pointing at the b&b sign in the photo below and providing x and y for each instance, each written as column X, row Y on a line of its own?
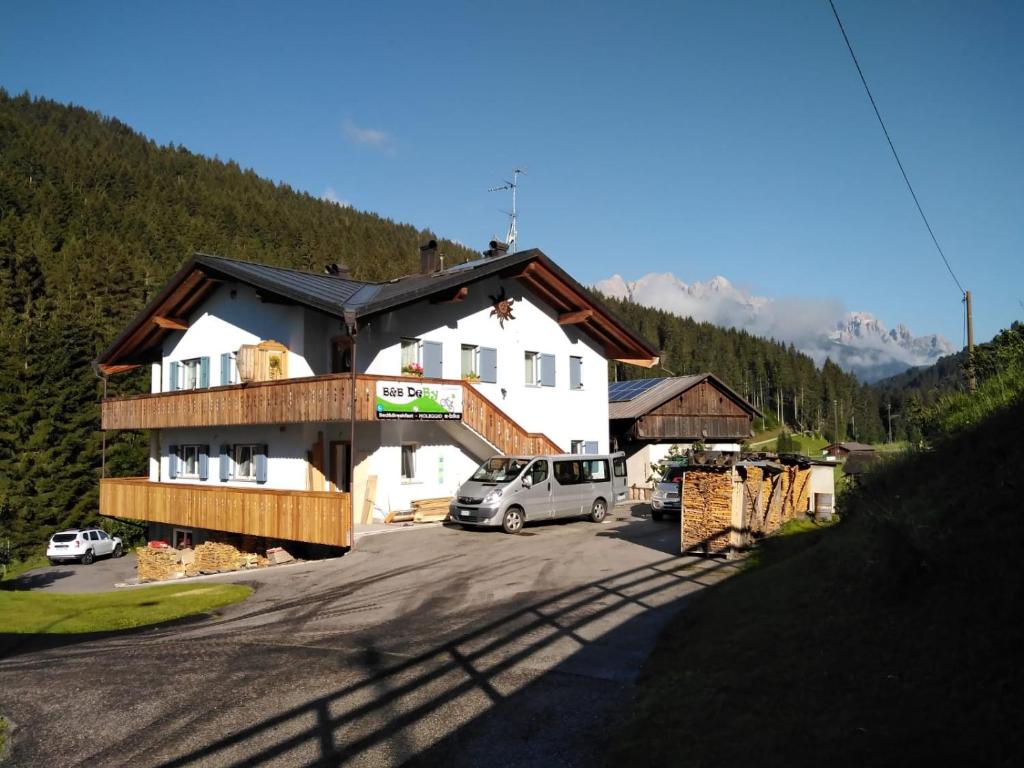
column 402, row 400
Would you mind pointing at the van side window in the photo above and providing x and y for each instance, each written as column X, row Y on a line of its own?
column 539, row 471
column 595, row 469
column 568, row 472
column 619, row 467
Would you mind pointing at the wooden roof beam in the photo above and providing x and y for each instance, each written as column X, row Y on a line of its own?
column 574, row 318
column 171, row 323
column 451, row 298
column 111, row 370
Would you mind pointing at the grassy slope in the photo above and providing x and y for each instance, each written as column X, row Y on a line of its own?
column 42, row 612
column 888, row 638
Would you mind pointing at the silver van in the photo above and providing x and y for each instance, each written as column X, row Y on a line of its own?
column 509, row 491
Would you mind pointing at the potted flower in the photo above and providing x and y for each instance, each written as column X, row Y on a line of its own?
column 412, row 369
column 472, row 378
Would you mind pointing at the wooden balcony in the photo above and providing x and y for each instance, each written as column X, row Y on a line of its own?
column 313, row 399
column 309, row 516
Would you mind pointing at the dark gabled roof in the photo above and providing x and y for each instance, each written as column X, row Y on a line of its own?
column 333, row 295
column 327, row 293
column 850, row 446
column 648, row 398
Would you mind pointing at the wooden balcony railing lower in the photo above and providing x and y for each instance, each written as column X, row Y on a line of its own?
column 313, row 399
column 309, row 516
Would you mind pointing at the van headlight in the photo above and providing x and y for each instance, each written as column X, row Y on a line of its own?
column 492, row 497
column 658, row 494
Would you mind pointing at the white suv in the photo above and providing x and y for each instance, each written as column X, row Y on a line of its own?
column 84, row 545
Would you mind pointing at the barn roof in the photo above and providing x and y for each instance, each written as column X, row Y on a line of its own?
column 634, row 398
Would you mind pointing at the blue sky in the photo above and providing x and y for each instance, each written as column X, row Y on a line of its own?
column 699, row 138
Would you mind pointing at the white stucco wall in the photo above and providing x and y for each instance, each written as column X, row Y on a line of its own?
column 559, row 412
column 224, row 322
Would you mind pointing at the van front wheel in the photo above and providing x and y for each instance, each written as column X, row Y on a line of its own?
column 512, row 522
column 598, row 511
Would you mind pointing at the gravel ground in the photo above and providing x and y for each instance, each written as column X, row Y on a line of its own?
column 429, row 647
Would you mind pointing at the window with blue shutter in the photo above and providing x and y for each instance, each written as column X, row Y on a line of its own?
column 225, row 369
column 225, row 463
column 432, row 359
column 204, row 462
column 172, row 462
column 575, row 373
column 590, row 446
column 204, row 372
column 261, row 464
column 488, row 365
column 172, row 376
column 547, row 370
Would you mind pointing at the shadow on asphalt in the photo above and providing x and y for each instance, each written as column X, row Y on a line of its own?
column 35, row 580
column 340, row 726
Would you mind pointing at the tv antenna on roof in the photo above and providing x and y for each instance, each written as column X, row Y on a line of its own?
column 513, row 233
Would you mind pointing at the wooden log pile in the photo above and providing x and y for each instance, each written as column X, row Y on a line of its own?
column 213, row 557
column 707, row 511
column 753, row 499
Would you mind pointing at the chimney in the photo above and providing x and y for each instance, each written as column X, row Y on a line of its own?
column 430, row 262
column 338, row 270
column 497, row 248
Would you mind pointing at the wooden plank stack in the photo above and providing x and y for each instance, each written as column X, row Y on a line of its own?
column 707, row 511
column 212, row 557
column 430, row 510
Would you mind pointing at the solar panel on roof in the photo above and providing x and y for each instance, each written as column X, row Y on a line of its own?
column 623, row 391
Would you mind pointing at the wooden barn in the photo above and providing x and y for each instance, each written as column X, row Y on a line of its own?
column 648, row 416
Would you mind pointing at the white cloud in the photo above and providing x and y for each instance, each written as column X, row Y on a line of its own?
column 855, row 340
column 368, row 137
column 331, row 196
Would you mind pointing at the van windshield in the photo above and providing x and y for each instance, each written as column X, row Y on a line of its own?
column 499, row 470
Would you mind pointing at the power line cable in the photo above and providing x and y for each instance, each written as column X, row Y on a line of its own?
column 895, row 154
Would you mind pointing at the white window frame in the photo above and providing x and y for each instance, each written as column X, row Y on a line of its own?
column 531, row 370
column 413, row 449
column 407, row 346
column 576, row 447
column 183, row 451
column 474, row 367
column 192, row 367
column 235, row 464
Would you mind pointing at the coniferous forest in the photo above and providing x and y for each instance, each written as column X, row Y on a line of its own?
column 94, row 217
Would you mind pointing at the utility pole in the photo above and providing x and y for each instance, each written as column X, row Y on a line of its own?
column 972, row 382
column 835, row 416
column 888, row 407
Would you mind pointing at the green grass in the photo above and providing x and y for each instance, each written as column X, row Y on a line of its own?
column 886, row 639
column 24, row 612
column 18, row 567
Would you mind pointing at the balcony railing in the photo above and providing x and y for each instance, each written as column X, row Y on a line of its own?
column 313, row 399
column 309, row 516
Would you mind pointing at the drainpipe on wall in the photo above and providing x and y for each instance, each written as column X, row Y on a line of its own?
column 103, row 451
column 350, row 323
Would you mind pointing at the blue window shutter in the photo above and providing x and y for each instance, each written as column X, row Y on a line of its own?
column 204, row 462
column 489, row 365
column 172, row 376
column 432, row 359
column 590, row 446
column 547, row 370
column 225, row 369
column 172, row 462
column 225, row 463
column 575, row 373
column 261, row 463
column 204, row 372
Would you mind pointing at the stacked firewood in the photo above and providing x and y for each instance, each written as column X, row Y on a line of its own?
column 159, row 564
column 707, row 511
column 430, row 510
column 753, row 499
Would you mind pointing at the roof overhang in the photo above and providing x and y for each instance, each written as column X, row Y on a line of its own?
column 577, row 306
column 140, row 342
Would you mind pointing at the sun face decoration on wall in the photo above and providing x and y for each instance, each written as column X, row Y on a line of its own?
column 502, row 307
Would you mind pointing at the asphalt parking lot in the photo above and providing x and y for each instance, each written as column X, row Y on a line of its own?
column 431, row 646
